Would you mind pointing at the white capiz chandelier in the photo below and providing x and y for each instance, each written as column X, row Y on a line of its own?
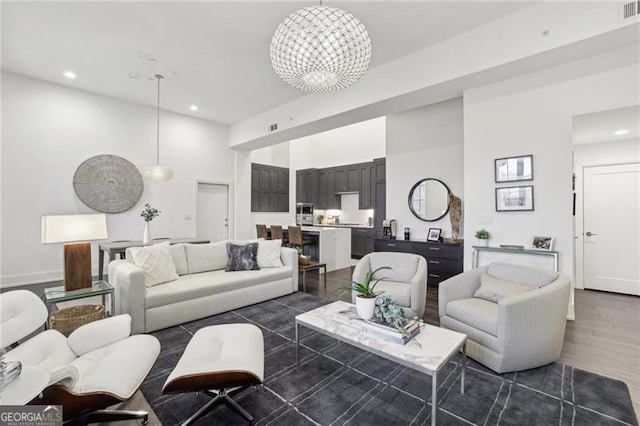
column 157, row 172
column 320, row 49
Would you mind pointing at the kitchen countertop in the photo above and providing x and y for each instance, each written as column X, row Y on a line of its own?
column 340, row 225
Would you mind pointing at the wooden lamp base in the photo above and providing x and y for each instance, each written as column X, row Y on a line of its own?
column 77, row 266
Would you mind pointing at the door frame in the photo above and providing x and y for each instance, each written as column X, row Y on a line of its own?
column 578, row 236
column 230, row 207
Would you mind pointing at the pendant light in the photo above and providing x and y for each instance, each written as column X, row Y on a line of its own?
column 320, row 49
column 158, row 172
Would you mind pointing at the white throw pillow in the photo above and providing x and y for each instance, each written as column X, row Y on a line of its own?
column 179, row 256
column 269, row 253
column 156, row 262
column 495, row 289
column 206, row 257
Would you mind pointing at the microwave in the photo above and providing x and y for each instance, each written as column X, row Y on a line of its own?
column 304, row 213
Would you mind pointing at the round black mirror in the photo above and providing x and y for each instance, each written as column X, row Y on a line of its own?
column 429, row 199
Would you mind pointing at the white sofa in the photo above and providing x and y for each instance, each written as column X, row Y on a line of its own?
column 203, row 288
column 514, row 315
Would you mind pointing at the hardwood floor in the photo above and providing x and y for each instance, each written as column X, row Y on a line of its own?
column 603, row 339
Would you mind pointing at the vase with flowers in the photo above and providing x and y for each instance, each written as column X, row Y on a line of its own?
column 148, row 214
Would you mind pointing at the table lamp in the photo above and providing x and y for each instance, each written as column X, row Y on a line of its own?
column 75, row 231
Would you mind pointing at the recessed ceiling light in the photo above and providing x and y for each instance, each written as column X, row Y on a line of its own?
column 621, row 132
column 193, row 107
column 70, row 75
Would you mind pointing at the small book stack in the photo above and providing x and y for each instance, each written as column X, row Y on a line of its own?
column 378, row 328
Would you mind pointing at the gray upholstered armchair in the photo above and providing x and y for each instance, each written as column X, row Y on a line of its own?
column 514, row 316
column 405, row 283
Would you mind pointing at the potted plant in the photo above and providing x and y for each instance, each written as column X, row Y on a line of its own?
column 303, row 259
column 483, row 237
column 365, row 293
column 148, row 214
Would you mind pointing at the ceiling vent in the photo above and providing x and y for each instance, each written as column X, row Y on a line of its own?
column 629, row 10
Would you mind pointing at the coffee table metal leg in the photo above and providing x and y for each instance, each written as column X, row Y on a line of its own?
column 464, row 366
column 434, row 398
column 297, row 344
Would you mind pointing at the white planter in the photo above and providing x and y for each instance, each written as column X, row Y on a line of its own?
column 365, row 306
column 483, row 242
column 146, row 236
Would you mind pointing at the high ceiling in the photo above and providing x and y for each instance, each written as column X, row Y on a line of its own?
column 213, row 54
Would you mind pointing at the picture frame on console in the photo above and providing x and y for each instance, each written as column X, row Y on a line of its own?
column 514, row 198
column 434, row 234
column 514, row 169
column 543, row 243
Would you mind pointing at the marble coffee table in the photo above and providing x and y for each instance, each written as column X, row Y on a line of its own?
column 436, row 345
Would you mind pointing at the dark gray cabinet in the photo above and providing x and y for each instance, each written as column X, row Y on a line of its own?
column 269, row 188
column 362, row 242
column 443, row 260
column 340, row 179
column 379, row 194
column 365, row 193
column 327, row 198
column 307, row 186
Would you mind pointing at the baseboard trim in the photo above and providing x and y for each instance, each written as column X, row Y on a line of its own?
column 8, row 281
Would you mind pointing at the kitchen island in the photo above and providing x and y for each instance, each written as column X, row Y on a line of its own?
column 333, row 245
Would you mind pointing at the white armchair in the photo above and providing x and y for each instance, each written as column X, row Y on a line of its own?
column 97, row 366
column 514, row 316
column 405, row 283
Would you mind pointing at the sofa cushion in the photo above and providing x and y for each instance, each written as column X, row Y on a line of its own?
column 403, row 266
column 478, row 313
column 179, row 256
column 206, row 257
column 399, row 292
column 156, row 262
column 269, row 253
column 242, row 257
column 495, row 289
column 528, row 275
column 193, row 286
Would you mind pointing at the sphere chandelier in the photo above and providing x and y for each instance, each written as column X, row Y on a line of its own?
column 320, row 49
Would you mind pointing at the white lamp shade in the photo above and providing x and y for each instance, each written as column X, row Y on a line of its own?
column 73, row 227
column 157, row 173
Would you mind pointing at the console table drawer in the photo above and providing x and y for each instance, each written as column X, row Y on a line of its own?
column 443, row 265
column 441, row 251
column 393, row 245
column 435, row 278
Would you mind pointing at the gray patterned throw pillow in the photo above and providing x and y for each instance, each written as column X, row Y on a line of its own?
column 242, row 257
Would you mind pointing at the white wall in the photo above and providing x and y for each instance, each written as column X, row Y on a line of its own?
column 357, row 143
column 49, row 130
column 533, row 114
column 598, row 154
column 423, row 143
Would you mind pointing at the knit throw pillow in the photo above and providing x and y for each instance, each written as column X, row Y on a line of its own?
column 156, row 262
column 269, row 253
column 242, row 257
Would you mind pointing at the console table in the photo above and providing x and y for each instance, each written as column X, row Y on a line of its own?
column 475, row 251
column 443, row 260
column 116, row 247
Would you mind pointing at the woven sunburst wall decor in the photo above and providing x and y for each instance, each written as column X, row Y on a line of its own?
column 108, row 183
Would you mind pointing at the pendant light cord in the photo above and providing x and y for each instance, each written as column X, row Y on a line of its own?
column 158, row 77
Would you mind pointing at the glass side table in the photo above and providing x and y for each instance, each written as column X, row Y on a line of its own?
column 54, row 295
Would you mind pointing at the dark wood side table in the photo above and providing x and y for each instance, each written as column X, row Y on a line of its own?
column 115, row 248
column 312, row 266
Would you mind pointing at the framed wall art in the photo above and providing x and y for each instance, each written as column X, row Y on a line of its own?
column 514, row 169
column 514, row 198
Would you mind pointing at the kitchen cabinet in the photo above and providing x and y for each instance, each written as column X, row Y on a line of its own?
column 362, row 242
column 269, row 188
column 379, row 194
column 307, row 186
column 327, row 198
column 365, row 192
column 341, row 179
column 443, row 260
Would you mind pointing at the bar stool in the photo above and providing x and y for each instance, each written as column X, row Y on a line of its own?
column 262, row 231
column 276, row 234
column 295, row 238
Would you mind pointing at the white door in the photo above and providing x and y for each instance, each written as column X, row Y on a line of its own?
column 213, row 211
column 612, row 228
